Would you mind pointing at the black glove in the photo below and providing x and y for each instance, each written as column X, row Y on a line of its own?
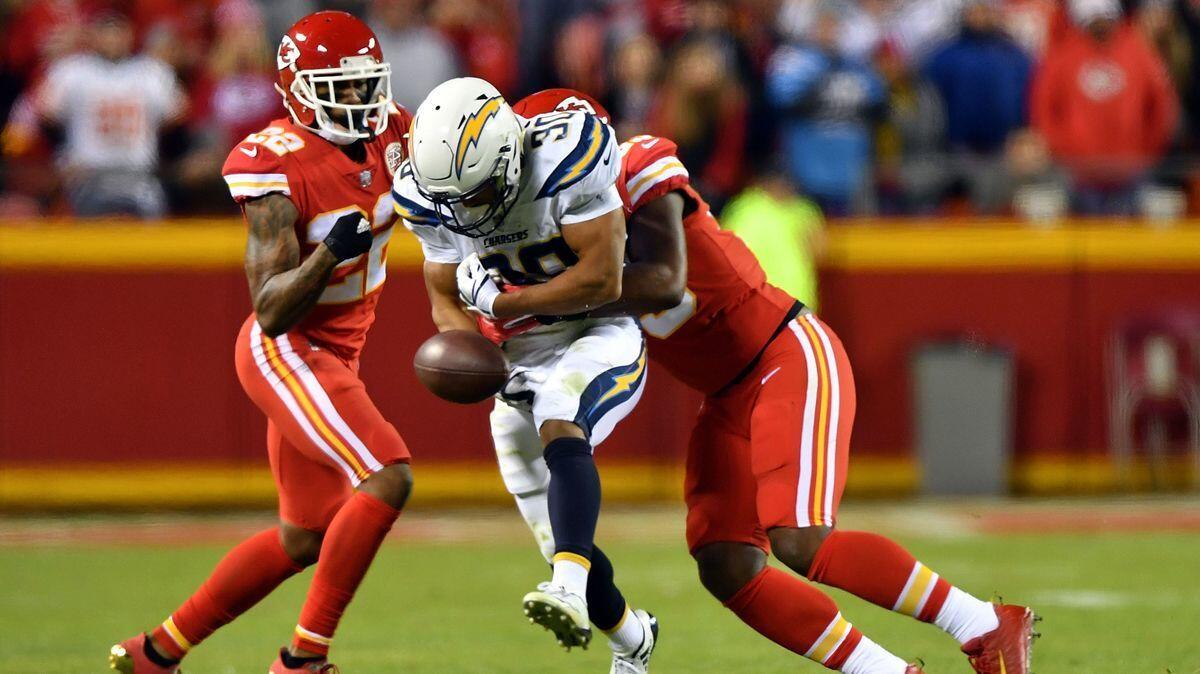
column 350, row 237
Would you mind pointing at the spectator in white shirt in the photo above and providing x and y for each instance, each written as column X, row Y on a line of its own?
column 111, row 106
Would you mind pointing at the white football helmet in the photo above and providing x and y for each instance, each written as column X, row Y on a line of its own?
column 465, row 151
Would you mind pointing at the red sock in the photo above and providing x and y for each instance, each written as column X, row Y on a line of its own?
column 248, row 573
column 797, row 616
column 350, row 545
column 879, row 570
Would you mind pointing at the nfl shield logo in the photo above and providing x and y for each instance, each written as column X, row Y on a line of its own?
column 364, row 178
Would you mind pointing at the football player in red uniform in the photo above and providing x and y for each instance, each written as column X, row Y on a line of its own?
column 315, row 190
column 768, row 456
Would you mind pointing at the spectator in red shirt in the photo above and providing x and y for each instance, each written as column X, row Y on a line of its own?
column 1104, row 103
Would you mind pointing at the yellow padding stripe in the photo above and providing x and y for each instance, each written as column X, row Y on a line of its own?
column 572, row 557
column 937, row 246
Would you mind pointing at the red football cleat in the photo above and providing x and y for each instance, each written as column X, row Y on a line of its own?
column 129, row 657
column 1006, row 649
column 319, row 667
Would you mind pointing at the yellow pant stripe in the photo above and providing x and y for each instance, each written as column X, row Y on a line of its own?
column 172, row 630
column 833, row 636
column 624, row 617
column 572, row 557
column 821, row 436
column 312, row 637
column 912, row 599
column 310, row 409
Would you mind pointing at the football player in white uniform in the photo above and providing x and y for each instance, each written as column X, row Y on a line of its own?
column 521, row 218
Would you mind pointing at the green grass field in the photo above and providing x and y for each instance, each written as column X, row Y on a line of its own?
column 444, row 596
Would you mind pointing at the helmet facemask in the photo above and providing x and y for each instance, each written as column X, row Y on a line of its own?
column 337, row 121
column 475, row 213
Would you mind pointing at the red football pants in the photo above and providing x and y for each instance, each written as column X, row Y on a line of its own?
column 772, row 451
column 324, row 434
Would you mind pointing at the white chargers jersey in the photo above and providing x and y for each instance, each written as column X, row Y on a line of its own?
column 111, row 111
column 569, row 174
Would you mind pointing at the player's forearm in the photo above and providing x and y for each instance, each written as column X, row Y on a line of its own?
column 447, row 318
column 287, row 297
column 646, row 288
column 575, row 291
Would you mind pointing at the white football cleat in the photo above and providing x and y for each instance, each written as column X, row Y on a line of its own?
column 638, row 662
column 563, row 613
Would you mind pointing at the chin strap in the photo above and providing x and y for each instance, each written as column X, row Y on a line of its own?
column 336, row 139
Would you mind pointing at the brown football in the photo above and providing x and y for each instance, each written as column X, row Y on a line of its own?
column 461, row 366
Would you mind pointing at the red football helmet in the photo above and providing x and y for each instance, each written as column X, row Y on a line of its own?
column 549, row 100
column 333, row 78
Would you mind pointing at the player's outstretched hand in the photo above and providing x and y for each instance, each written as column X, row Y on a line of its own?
column 500, row 330
column 476, row 286
column 350, row 237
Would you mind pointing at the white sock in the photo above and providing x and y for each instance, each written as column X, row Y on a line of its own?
column 570, row 572
column 628, row 635
column 964, row 617
column 869, row 657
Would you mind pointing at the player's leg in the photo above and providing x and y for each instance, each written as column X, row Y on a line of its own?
column 310, row 495
column 589, row 389
column 801, row 529
column 519, row 455
column 323, row 410
column 254, row 568
column 730, row 550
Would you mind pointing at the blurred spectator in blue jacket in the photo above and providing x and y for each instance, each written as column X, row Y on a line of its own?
column 983, row 78
column 827, row 103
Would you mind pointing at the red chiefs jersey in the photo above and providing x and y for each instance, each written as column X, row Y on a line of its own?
column 325, row 184
column 729, row 312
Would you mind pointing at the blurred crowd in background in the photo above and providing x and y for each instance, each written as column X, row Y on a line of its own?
column 1026, row 108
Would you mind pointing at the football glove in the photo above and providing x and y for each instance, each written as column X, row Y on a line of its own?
column 350, row 237
column 500, row 330
column 476, row 286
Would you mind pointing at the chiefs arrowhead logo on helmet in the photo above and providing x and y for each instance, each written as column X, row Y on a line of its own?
column 288, row 54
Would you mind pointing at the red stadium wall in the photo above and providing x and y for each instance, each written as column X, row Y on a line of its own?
column 117, row 385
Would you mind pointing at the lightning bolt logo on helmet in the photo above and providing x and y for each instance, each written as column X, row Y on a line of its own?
column 472, row 130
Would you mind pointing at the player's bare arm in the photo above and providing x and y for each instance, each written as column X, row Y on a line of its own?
column 655, row 277
column 282, row 288
column 591, row 283
column 448, row 311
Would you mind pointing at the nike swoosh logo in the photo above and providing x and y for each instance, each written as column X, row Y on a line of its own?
column 650, row 143
column 770, row 374
column 248, row 152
